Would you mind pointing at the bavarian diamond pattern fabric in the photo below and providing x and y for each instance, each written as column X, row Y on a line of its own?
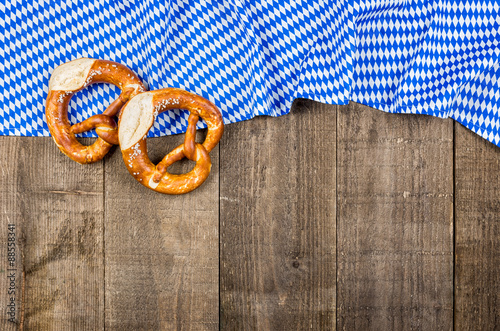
column 254, row 58
column 431, row 57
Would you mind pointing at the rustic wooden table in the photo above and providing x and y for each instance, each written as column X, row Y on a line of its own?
column 331, row 217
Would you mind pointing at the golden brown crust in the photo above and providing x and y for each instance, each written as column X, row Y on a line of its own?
column 101, row 71
column 156, row 177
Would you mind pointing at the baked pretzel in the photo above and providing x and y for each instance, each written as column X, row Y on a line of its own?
column 72, row 77
column 136, row 119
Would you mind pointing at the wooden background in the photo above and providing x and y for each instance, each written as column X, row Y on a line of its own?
column 329, row 218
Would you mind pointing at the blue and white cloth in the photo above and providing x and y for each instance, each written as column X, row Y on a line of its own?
column 254, row 58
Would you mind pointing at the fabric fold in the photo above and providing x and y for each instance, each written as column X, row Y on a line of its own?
column 253, row 58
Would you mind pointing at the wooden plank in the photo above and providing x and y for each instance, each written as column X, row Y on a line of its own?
column 161, row 250
column 395, row 221
column 56, row 206
column 11, row 264
column 278, row 221
column 477, row 224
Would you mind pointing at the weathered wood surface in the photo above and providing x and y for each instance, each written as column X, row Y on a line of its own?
column 11, row 264
column 161, row 257
column 394, row 221
column 57, row 208
column 331, row 217
column 278, row 222
column 477, row 224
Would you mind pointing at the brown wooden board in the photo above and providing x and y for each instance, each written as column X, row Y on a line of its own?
column 277, row 195
column 161, row 251
column 11, row 263
column 56, row 206
column 94, row 248
column 477, row 223
column 394, row 221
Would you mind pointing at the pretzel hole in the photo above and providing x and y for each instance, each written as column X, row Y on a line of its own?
column 86, row 141
column 159, row 147
column 175, row 115
column 182, row 167
column 79, row 109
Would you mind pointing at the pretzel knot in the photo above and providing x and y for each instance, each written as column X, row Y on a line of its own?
column 136, row 119
column 73, row 76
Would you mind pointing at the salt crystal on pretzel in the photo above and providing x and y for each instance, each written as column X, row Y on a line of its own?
column 137, row 118
column 73, row 76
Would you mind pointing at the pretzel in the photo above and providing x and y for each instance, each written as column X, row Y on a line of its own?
column 136, row 119
column 72, row 77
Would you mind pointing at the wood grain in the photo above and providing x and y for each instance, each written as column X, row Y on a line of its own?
column 10, row 286
column 161, row 250
column 394, row 221
column 57, row 207
column 278, row 221
column 477, row 223
column 99, row 250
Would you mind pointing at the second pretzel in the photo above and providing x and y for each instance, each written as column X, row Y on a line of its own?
column 136, row 119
